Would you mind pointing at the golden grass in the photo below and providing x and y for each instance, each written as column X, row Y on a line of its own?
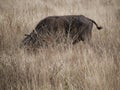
column 79, row 67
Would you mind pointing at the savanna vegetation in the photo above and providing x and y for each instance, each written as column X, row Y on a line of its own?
column 78, row 67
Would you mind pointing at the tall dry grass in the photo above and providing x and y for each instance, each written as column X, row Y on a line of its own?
column 79, row 67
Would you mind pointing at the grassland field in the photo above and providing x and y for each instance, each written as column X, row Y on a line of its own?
column 78, row 67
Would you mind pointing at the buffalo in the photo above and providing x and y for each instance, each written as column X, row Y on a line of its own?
column 59, row 28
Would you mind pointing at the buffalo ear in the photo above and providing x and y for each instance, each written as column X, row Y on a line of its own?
column 27, row 35
column 34, row 31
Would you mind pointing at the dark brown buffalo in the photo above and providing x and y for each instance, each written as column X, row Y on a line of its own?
column 54, row 28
